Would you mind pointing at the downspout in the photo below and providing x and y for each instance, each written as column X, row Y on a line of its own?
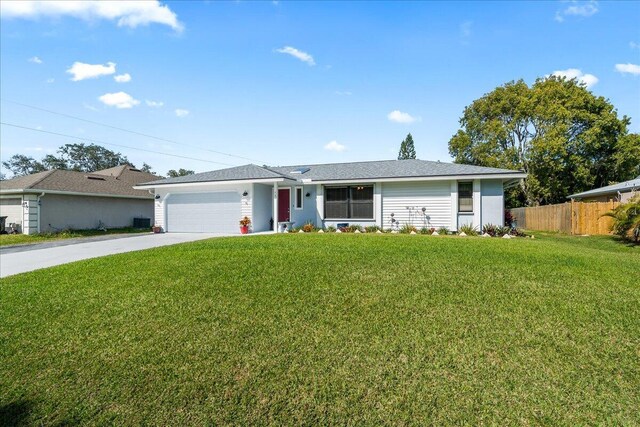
column 39, row 197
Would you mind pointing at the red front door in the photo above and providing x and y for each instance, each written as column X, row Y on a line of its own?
column 284, row 205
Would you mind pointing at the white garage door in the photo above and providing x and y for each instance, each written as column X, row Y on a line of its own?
column 204, row 212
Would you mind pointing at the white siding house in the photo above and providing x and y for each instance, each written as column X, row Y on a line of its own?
column 385, row 193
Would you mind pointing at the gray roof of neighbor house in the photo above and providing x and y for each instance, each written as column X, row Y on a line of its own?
column 623, row 187
column 118, row 181
column 340, row 171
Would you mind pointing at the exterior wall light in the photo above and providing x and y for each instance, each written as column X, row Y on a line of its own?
column 307, row 195
column 245, row 194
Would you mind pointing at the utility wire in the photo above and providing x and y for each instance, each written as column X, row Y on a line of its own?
column 110, row 143
column 127, row 130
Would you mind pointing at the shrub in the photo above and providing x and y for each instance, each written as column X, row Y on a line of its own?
column 489, row 229
column 443, row 230
column 308, row 227
column 407, row 229
column 371, row 228
column 425, row 230
column 508, row 218
column 626, row 220
column 330, row 229
column 467, row 229
column 354, row 227
column 501, row 231
column 517, row 232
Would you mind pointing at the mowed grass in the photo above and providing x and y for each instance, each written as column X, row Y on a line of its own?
column 329, row 329
column 27, row 239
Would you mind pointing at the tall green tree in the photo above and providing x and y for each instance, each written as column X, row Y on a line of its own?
column 19, row 165
column 77, row 157
column 565, row 138
column 407, row 149
column 90, row 158
column 180, row 172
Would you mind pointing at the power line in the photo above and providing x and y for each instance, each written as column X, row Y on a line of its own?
column 111, row 143
column 127, row 130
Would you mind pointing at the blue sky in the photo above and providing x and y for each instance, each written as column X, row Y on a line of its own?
column 292, row 82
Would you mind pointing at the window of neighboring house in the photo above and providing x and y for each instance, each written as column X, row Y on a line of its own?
column 351, row 202
column 465, row 197
column 299, row 197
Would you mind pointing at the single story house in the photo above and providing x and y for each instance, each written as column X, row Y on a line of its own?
column 385, row 193
column 55, row 200
column 617, row 192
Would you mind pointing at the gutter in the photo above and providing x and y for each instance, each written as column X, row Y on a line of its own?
column 200, row 183
column 421, row 178
column 71, row 193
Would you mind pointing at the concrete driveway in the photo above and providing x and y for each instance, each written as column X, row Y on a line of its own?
column 22, row 259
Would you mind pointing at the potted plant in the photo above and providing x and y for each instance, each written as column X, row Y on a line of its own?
column 156, row 228
column 244, row 225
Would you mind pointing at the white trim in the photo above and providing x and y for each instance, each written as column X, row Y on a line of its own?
column 422, row 178
column 199, row 183
column 295, row 201
column 72, row 193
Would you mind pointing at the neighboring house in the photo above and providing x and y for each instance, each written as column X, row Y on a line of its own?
column 59, row 199
column 384, row 193
column 617, row 192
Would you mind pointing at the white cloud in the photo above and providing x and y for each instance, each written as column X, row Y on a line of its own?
column 578, row 8
column 154, row 104
column 122, row 78
column 118, row 100
column 82, row 71
column 302, row 56
column 574, row 73
column 400, row 117
column 35, row 60
column 181, row 112
column 335, row 146
column 127, row 13
column 628, row 69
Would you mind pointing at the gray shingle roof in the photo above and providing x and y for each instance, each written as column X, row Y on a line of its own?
column 388, row 169
column 623, row 187
column 237, row 173
column 340, row 171
column 114, row 182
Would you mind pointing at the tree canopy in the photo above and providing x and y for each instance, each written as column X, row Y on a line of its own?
column 180, row 172
column 407, row 149
column 565, row 138
column 77, row 157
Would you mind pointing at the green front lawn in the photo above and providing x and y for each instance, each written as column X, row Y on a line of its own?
column 22, row 239
column 329, row 329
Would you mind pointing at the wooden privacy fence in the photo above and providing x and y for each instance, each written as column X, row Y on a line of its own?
column 573, row 217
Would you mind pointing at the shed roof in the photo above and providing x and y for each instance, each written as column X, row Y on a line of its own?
column 622, row 187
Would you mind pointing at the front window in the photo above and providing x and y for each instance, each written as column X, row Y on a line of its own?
column 465, row 197
column 299, row 198
column 350, row 202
